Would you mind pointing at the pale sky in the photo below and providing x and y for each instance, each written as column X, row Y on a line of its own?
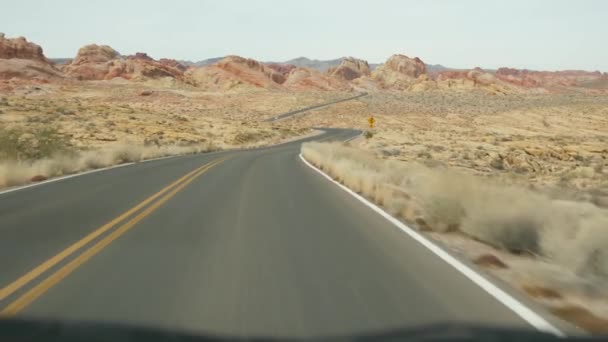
column 542, row 34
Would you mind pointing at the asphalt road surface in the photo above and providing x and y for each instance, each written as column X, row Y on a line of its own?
column 252, row 243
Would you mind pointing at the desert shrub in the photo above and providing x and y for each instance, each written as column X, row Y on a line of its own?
column 31, row 144
column 572, row 234
column 18, row 171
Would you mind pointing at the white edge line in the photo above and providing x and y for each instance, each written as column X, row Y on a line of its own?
column 507, row 300
column 77, row 174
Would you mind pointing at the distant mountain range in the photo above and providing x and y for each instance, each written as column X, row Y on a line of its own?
column 60, row 60
column 203, row 62
column 321, row 65
column 436, row 68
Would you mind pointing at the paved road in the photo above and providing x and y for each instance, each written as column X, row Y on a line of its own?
column 259, row 244
column 306, row 109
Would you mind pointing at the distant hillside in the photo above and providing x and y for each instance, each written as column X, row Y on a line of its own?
column 317, row 64
column 436, row 68
column 321, row 65
column 203, row 62
column 314, row 63
column 61, row 61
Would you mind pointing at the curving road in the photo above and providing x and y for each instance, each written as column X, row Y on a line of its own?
column 249, row 243
column 306, row 109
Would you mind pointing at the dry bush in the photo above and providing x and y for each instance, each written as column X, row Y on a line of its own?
column 572, row 234
column 582, row 318
column 14, row 172
column 35, row 143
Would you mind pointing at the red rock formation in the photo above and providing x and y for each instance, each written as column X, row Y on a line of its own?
column 141, row 56
column 235, row 71
column 283, row 69
column 173, row 64
column 20, row 48
column 535, row 79
column 399, row 72
column 311, row 79
column 250, row 70
column 349, row 69
column 95, row 62
column 22, row 59
column 412, row 67
column 477, row 75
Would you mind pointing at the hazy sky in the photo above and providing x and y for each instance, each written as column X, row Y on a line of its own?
column 543, row 34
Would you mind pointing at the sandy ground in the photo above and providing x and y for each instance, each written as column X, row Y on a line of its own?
column 48, row 130
column 554, row 143
column 101, row 112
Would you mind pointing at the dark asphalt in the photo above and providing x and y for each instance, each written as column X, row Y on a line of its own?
column 306, row 109
column 258, row 245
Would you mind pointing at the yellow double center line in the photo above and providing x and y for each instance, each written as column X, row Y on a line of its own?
column 35, row 292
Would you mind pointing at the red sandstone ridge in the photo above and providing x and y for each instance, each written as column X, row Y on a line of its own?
column 311, row 79
column 22, row 59
column 101, row 62
column 173, row 64
column 20, row 48
column 235, row 71
column 537, row 79
column 250, row 70
column 141, row 56
column 349, row 69
column 283, row 69
column 477, row 75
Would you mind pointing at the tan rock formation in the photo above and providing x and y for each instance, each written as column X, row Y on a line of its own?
column 350, row 69
column 399, row 72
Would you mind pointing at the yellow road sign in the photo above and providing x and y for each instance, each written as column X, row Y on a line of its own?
column 371, row 121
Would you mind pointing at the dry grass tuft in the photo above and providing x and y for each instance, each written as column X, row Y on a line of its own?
column 519, row 220
column 38, row 178
column 542, row 292
column 14, row 172
column 582, row 318
column 490, row 261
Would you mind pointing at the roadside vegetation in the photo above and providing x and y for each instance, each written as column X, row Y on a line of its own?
column 40, row 153
column 515, row 219
column 554, row 250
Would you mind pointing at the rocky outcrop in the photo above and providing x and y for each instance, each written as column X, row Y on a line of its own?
column 549, row 79
column 399, row 72
column 465, row 80
column 478, row 76
column 234, row 71
column 349, row 69
column 22, row 59
column 283, row 69
column 172, row 63
column 311, row 79
column 101, row 62
column 468, row 80
column 93, row 62
column 20, row 48
column 411, row 67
